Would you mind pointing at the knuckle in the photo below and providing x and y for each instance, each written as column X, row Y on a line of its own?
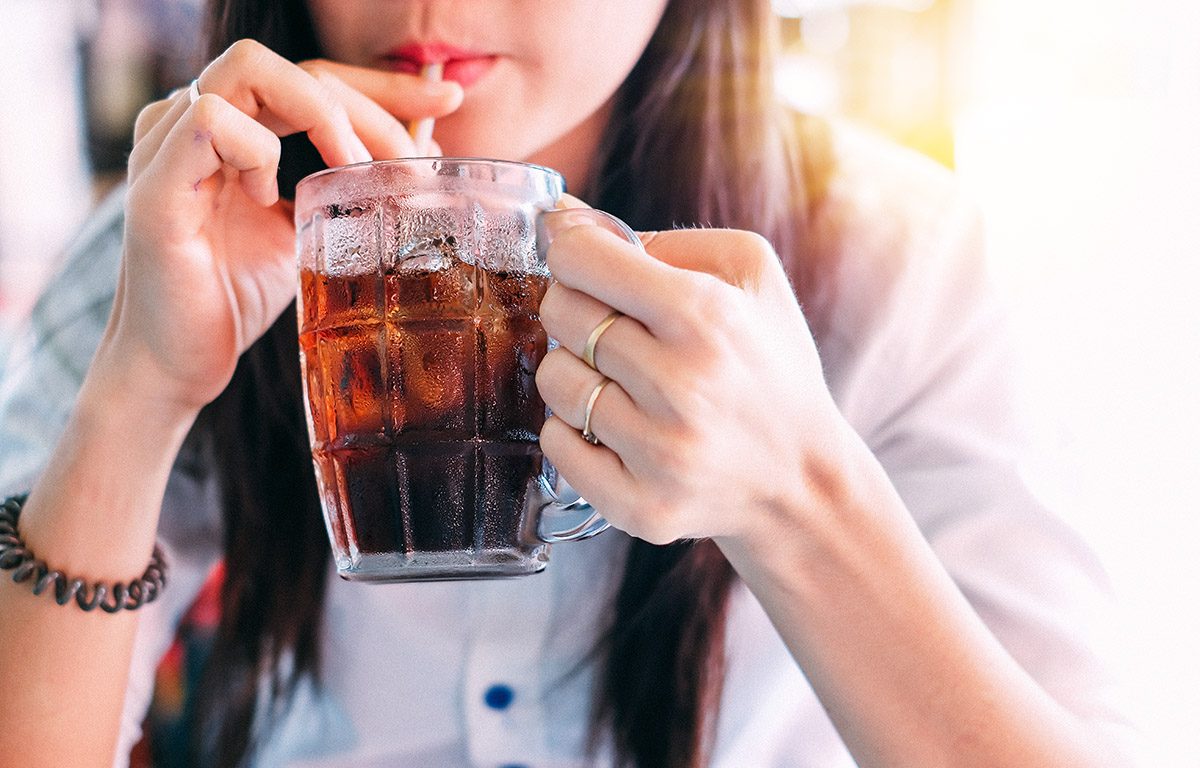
column 558, row 440
column 702, row 291
column 690, row 399
column 544, row 377
column 657, row 454
column 548, row 437
column 333, row 107
column 147, row 118
column 140, row 158
column 752, row 255
column 314, row 66
column 660, row 390
column 686, row 404
column 137, row 198
column 244, row 52
column 671, row 458
column 688, row 454
column 712, row 293
column 621, row 513
column 137, row 159
column 273, row 147
column 707, row 312
column 207, row 110
column 327, row 80
column 330, row 103
column 549, row 311
column 651, row 534
column 659, row 524
column 687, row 318
column 752, row 246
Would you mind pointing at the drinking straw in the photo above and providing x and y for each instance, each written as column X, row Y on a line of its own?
column 422, row 130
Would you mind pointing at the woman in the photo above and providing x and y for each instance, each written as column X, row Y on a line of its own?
column 870, row 580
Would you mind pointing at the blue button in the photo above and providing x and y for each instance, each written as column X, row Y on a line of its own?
column 499, row 696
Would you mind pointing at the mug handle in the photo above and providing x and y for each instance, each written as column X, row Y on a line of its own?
column 558, row 519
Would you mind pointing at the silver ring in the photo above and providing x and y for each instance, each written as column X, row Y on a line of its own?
column 193, row 91
column 587, row 433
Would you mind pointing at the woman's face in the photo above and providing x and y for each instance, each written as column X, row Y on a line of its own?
column 534, row 71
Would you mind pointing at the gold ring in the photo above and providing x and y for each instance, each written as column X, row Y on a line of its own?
column 587, row 432
column 589, row 349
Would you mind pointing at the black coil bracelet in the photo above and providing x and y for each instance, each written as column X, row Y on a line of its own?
column 16, row 557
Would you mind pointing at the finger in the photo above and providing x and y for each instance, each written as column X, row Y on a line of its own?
column 595, row 471
column 624, row 350
column 284, row 98
column 566, row 385
column 404, row 96
column 150, row 116
column 592, row 260
column 153, row 125
column 737, row 257
column 384, row 136
column 211, row 135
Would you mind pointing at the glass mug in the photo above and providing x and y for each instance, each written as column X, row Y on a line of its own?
column 420, row 282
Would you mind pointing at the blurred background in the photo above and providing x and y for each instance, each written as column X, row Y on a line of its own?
column 1074, row 123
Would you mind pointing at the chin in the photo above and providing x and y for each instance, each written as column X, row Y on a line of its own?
column 492, row 148
column 478, row 138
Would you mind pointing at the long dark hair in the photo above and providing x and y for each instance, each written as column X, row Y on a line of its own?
column 696, row 138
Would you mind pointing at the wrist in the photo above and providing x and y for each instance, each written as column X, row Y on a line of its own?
column 94, row 511
column 836, row 497
column 121, row 385
column 885, row 637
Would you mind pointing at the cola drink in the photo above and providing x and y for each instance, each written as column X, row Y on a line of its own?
column 420, row 284
column 424, row 412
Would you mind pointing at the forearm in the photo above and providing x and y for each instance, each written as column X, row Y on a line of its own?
column 93, row 515
column 907, row 671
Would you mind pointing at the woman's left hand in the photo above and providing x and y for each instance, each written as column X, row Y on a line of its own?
column 717, row 404
column 718, row 423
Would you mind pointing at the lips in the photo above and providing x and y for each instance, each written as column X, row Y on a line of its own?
column 461, row 65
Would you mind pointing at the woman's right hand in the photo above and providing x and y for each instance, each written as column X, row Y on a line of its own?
column 209, row 246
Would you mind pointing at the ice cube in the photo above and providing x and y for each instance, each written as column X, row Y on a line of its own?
column 349, row 240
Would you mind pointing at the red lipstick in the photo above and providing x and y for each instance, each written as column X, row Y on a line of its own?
column 461, row 65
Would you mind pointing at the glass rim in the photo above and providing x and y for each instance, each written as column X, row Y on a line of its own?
column 462, row 161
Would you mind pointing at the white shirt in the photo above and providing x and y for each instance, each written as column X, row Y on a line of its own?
column 914, row 352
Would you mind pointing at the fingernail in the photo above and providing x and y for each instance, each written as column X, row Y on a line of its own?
column 554, row 223
column 551, row 224
column 361, row 153
column 570, row 201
